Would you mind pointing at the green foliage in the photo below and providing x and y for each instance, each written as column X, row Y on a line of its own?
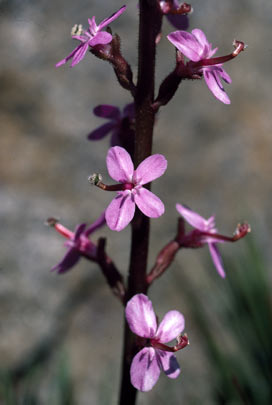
column 240, row 348
column 28, row 391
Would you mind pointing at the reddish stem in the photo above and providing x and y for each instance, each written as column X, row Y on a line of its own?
column 150, row 26
column 240, row 46
column 183, row 341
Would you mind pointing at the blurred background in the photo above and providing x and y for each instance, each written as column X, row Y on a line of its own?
column 61, row 336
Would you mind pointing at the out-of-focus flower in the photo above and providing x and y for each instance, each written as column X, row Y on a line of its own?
column 118, row 122
column 205, row 232
column 155, row 355
column 196, row 48
column 130, row 190
column 78, row 243
column 89, row 38
column 175, row 13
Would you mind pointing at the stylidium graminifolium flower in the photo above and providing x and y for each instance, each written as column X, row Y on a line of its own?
column 116, row 119
column 89, row 38
column 204, row 225
column 205, row 233
column 174, row 12
column 196, row 48
column 155, row 355
column 78, row 243
column 131, row 192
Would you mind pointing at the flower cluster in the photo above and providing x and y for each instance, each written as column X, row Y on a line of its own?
column 126, row 127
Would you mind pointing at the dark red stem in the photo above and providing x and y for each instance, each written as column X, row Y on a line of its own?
column 150, row 25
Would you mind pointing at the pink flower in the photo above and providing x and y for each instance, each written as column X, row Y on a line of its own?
column 201, row 236
column 91, row 37
column 78, row 243
column 196, row 48
column 205, row 232
column 131, row 191
column 155, row 356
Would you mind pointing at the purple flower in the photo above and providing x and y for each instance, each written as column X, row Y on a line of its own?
column 204, row 228
column 155, row 356
column 131, row 191
column 78, row 243
column 117, row 120
column 91, row 37
column 196, row 48
column 173, row 11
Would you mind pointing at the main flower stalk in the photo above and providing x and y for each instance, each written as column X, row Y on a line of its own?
column 150, row 24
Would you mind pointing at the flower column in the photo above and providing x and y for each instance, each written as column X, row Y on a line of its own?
column 150, row 24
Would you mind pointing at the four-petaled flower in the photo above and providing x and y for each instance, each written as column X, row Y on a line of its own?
column 120, row 167
column 91, row 37
column 78, row 243
column 155, row 356
column 117, row 120
column 196, row 48
column 200, row 236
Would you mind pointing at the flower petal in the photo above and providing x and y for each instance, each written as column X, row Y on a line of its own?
column 187, row 44
column 225, row 76
column 170, row 327
column 148, row 203
column 212, row 79
column 217, row 260
column 120, row 211
column 181, row 22
column 78, row 231
column 70, row 56
column 150, row 169
column 193, row 218
column 96, row 225
column 201, row 37
column 168, row 363
column 145, row 369
column 107, row 111
column 101, row 38
column 101, row 132
column 119, row 164
column 79, row 55
column 129, row 110
column 141, row 317
column 69, row 260
column 113, row 17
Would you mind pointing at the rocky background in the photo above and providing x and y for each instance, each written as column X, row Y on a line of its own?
column 219, row 162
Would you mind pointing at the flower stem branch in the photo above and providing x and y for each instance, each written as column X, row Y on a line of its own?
column 112, row 275
column 112, row 54
column 166, row 255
